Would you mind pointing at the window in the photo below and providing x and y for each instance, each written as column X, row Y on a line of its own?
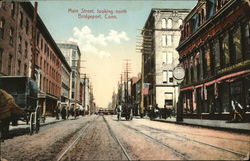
column 207, row 61
column 19, row 68
column 37, row 38
column 168, row 99
column 180, row 22
column 225, row 50
column 25, row 70
column 20, row 44
column 11, row 36
column 27, row 26
column 217, row 54
column 26, row 49
column 44, row 84
column 198, row 65
column 41, row 44
column 169, row 58
column 170, row 76
column 1, row 59
column 12, row 9
column 9, row 64
column 41, row 62
column 163, row 23
column 164, row 76
column 164, row 42
column 170, row 23
column 2, row 28
column 246, row 40
column 164, row 57
column 169, row 40
column 21, row 19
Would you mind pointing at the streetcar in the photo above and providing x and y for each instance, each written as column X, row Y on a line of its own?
column 24, row 90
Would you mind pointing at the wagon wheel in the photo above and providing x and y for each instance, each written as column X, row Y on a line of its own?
column 37, row 119
column 32, row 124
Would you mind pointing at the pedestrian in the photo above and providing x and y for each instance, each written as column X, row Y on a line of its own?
column 237, row 111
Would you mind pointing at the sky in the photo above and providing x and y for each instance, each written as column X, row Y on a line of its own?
column 106, row 32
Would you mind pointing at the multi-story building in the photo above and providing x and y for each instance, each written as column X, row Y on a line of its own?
column 215, row 52
column 72, row 55
column 86, row 94
column 20, row 31
column 135, row 90
column 161, row 34
column 65, row 90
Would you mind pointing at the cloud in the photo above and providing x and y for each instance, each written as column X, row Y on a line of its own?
column 90, row 43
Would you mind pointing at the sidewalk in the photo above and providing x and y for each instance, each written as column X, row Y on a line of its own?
column 48, row 120
column 218, row 124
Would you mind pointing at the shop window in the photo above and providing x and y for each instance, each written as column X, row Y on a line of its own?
column 2, row 28
column 225, row 98
column 168, row 99
column 163, row 23
column 236, row 91
column 170, row 23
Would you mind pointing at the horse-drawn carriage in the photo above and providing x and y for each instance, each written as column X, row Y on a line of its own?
column 125, row 110
column 18, row 102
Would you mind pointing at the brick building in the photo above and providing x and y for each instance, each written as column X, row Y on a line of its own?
column 16, row 42
column 215, row 52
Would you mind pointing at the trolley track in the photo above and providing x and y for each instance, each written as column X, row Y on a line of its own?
column 116, row 139
column 81, row 135
column 196, row 141
column 185, row 138
column 158, row 142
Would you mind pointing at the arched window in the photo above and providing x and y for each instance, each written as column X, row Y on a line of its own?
column 163, row 23
column 170, row 23
column 180, row 22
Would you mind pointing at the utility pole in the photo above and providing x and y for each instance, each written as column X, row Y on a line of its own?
column 127, row 70
column 144, row 47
